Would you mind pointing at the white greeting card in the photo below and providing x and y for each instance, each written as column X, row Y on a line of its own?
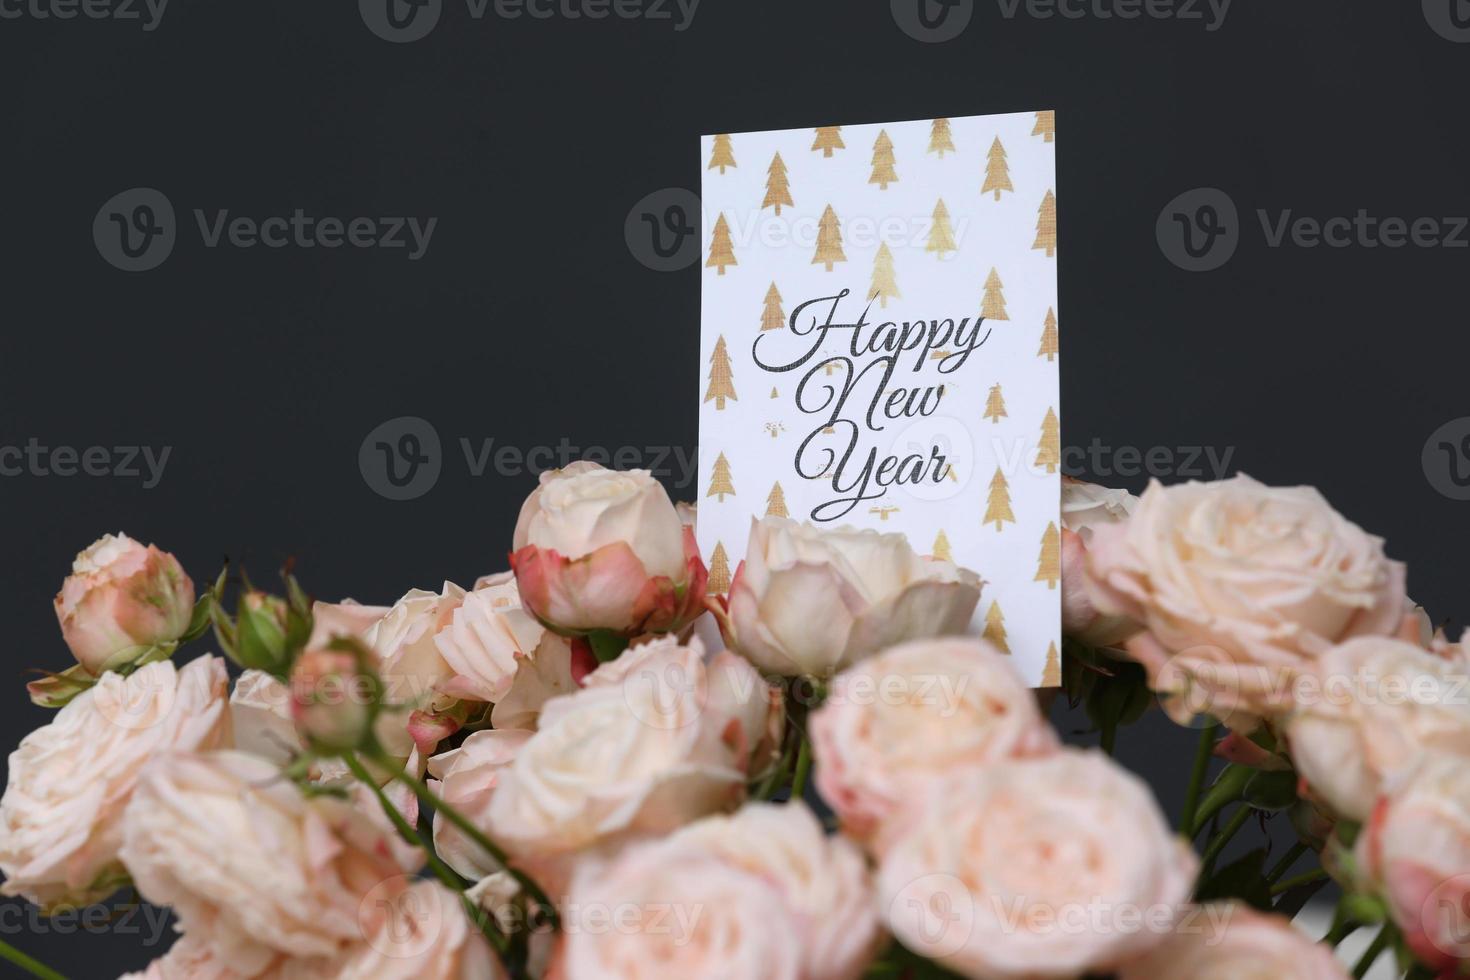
column 879, row 348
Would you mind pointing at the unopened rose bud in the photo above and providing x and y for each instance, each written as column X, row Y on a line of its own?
column 334, row 698
column 121, row 600
column 261, row 633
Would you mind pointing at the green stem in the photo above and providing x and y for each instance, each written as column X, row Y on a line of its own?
column 1316, row 874
column 1217, row 844
column 29, row 964
column 1227, row 789
column 1202, row 754
column 1109, row 737
column 1371, row 954
column 606, row 645
column 803, row 765
column 1339, row 932
column 1287, row 860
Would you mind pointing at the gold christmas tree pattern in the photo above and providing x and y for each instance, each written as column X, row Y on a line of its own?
column 719, row 480
column 1049, row 336
column 1046, row 125
column 1049, row 450
column 721, row 250
column 993, row 303
column 941, row 549
column 829, row 138
column 885, row 283
column 998, row 505
column 778, row 186
column 940, row 140
column 1049, row 563
column 995, row 405
column 774, row 392
column 995, row 628
column 829, row 240
column 719, row 571
column 884, row 172
column 721, row 378
column 1046, row 225
column 884, row 512
column 941, row 232
column 776, row 502
column 724, row 153
column 997, row 174
column 772, row 316
column 1051, row 674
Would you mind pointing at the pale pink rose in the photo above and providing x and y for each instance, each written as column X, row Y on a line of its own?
column 121, row 599
column 1369, row 709
column 191, row 958
column 348, row 618
column 466, row 778
column 414, row 673
column 70, row 780
column 424, row 934
column 1086, row 506
column 1233, row 942
column 809, row 602
column 251, row 865
column 334, row 699
column 1002, row 868
column 598, row 549
column 1240, row 587
column 499, row 653
column 1415, row 853
column 643, row 753
column 914, row 714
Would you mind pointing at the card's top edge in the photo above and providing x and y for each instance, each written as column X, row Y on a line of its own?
column 881, row 122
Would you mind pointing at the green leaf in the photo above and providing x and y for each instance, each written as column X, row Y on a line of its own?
column 1364, row 909
column 1271, row 790
column 1227, row 788
column 1244, row 878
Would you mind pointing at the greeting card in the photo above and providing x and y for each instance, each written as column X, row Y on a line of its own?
column 879, row 348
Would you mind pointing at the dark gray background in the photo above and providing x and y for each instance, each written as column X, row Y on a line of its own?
column 529, row 320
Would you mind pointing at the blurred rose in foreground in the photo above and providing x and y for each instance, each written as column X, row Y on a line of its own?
column 1086, row 506
column 1231, row 940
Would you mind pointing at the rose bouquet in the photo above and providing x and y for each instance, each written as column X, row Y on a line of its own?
column 588, row 767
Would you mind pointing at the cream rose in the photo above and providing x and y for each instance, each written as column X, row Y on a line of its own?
column 250, row 863
column 1232, row 942
column 1415, row 852
column 1004, row 869
column 1369, row 709
column 598, row 549
column 1086, row 506
column 466, row 778
column 70, row 780
column 643, row 748
column 120, row 600
column 914, row 714
column 423, row 933
column 810, row 602
column 1240, row 587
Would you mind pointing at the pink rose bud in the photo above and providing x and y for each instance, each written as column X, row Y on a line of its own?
column 120, row 600
column 334, row 698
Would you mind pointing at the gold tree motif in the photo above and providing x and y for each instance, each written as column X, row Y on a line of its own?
column 721, row 251
column 995, row 405
column 997, row 174
column 829, row 240
column 941, row 233
column 1046, row 125
column 778, row 187
column 941, row 549
column 995, row 628
column 1051, row 674
column 883, row 165
column 885, row 285
column 724, row 154
column 939, row 138
column 773, row 317
column 776, row 502
column 719, row 480
column 719, row 571
column 1049, row 336
column 998, row 506
column 774, row 392
column 829, row 138
column 993, row 303
column 1049, row 452
column 1049, row 564
column 1046, row 225
column 721, row 378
